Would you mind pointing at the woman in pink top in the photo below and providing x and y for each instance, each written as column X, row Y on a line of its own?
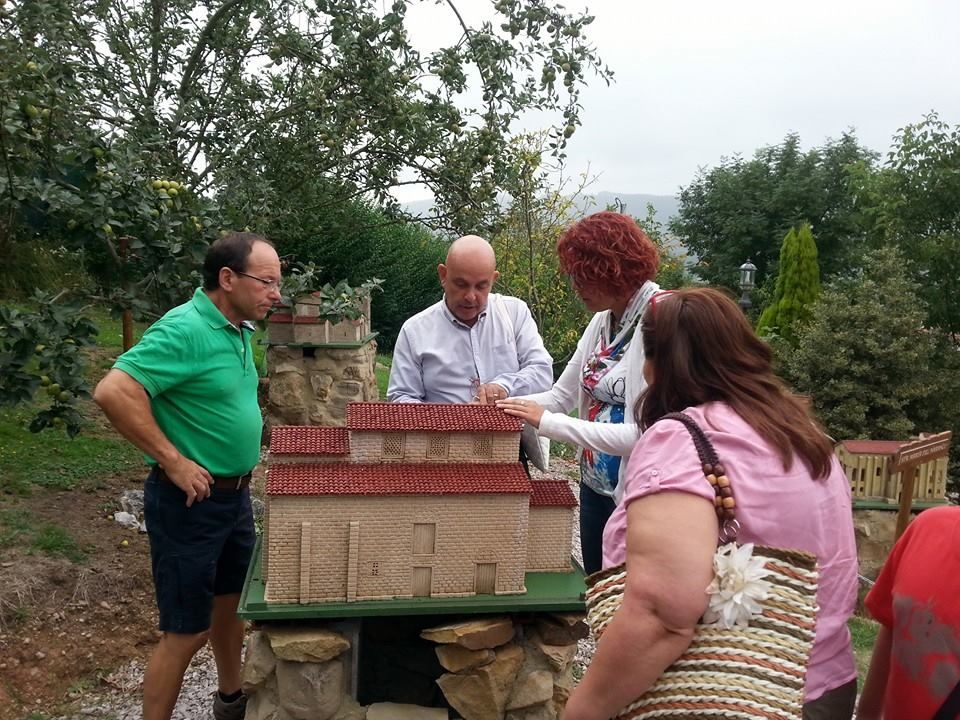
column 703, row 358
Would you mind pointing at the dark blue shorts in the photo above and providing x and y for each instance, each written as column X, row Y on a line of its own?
column 197, row 552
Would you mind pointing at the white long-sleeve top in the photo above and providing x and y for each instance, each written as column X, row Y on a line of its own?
column 568, row 394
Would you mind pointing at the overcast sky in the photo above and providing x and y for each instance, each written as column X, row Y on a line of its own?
column 700, row 79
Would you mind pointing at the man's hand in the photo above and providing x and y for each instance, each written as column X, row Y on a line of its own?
column 193, row 479
column 489, row 393
column 526, row 410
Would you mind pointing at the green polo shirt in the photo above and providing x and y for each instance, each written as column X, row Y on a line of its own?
column 198, row 369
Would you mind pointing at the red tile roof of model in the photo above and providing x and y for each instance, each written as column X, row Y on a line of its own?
column 552, row 493
column 309, row 440
column 873, row 447
column 397, row 479
column 429, row 417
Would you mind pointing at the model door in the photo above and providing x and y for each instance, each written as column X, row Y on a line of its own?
column 422, row 580
column 486, row 578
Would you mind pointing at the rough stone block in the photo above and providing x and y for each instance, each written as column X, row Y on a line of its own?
column 473, row 634
column 263, row 706
column 320, row 384
column 287, row 390
column 482, row 693
column 397, row 711
column 351, row 390
column 532, row 689
column 310, row 691
column 350, row 710
column 559, row 657
column 455, row 658
column 258, row 664
column 562, row 628
column 538, row 712
column 307, row 644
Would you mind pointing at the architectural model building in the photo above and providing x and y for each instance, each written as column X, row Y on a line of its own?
column 408, row 500
column 868, row 467
column 304, row 326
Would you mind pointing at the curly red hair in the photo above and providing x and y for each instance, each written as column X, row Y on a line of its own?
column 608, row 250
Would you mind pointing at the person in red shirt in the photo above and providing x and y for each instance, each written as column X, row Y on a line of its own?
column 915, row 670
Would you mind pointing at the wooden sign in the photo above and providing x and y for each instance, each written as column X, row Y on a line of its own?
column 906, row 461
column 932, row 447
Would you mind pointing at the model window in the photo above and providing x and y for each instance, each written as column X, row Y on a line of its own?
column 393, row 445
column 483, row 446
column 438, row 446
column 424, row 538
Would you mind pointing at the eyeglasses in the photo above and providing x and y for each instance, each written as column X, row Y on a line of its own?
column 269, row 284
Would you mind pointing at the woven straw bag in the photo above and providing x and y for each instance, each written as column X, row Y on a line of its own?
column 752, row 671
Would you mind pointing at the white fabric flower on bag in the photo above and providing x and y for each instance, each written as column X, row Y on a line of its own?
column 737, row 586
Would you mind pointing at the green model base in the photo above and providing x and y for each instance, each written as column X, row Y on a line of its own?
column 345, row 344
column 549, row 592
column 892, row 506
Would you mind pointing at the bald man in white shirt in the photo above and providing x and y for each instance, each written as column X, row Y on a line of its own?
column 472, row 346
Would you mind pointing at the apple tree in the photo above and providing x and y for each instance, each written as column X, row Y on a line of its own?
column 134, row 131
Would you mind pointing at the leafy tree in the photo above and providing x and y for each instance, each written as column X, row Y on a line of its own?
column 354, row 241
column 43, row 348
column 326, row 88
column 735, row 211
column 540, row 208
column 240, row 103
column 865, row 355
column 914, row 203
column 673, row 271
column 798, row 284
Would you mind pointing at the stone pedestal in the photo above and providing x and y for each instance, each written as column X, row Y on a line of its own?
column 502, row 668
column 312, row 385
column 875, row 531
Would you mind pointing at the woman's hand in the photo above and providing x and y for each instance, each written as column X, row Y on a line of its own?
column 526, row 410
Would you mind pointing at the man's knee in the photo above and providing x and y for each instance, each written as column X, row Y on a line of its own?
column 185, row 643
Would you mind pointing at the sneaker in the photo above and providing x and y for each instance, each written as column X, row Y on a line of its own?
column 229, row 711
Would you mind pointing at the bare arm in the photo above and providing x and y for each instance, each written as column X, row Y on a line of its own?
column 671, row 538
column 870, row 706
column 127, row 407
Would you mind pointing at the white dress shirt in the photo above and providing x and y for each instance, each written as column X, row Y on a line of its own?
column 439, row 359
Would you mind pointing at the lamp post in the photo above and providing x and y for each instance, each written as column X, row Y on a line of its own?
column 748, row 272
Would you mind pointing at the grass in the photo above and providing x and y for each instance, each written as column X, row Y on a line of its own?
column 864, row 632
column 50, row 459
column 382, row 371
column 19, row 527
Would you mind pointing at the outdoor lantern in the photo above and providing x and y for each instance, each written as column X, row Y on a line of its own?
column 748, row 272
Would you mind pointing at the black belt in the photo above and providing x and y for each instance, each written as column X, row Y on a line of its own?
column 220, row 482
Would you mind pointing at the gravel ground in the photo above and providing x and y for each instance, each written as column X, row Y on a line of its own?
column 118, row 698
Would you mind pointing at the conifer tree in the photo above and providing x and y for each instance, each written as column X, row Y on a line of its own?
column 798, row 284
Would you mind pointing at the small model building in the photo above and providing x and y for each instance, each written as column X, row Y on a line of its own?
column 304, row 326
column 868, row 467
column 408, row 500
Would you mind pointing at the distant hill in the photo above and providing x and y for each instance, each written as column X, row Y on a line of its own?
column 634, row 204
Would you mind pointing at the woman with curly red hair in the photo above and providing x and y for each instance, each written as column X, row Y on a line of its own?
column 611, row 263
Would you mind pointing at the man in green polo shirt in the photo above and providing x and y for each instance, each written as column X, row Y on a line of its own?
column 186, row 395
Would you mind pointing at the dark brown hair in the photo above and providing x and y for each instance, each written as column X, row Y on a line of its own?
column 230, row 251
column 703, row 349
column 608, row 250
